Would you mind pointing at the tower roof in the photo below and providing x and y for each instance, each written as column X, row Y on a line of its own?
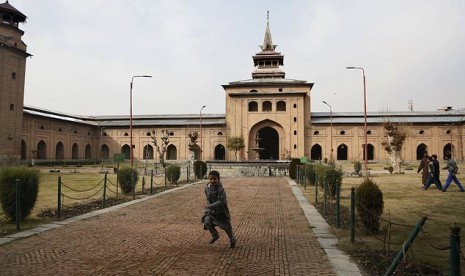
column 7, row 10
column 268, row 60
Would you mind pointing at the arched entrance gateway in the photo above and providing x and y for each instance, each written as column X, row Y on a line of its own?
column 269, row 144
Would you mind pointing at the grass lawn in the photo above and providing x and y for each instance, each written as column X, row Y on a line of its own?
column 404, row 205
column 86, row 186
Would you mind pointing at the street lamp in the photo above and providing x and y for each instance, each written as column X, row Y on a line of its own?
column 201, row 149
column 131, row 150
column 331, row 130
column 365, row 157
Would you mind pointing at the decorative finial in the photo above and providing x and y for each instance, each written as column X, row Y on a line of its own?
column 267, row 16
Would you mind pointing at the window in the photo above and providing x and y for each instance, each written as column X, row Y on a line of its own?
column 343, row 132
column 281, row 106
column 60, row 129
column 448, row 131
column 12, row 107
column 75, row 131
column 148, row 134
column 280, row 90
column 13, row 75
column 295, row 119
column 295, row 132
column 126, row 134
column 253, row 91
column 422, row 132
column 368, row 131
column 266, row 106
column 220, row 133
column 253, row 106
column 295, row 105
column 316, row 132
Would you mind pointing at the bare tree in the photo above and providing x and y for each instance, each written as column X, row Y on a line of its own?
column 395, row 135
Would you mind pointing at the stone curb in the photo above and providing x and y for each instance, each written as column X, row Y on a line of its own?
column 338, row 259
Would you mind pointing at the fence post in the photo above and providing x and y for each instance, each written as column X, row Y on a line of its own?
column 166, row 180
column 316, row 189
column 117, row 180
column 352, row 215
column 151, row 182
column 405, row 246
column 143, row 184
column 133, row 186
column 325, row 186
column 338, row 215
column 18, row 203
column 454, row 255
column 59, row 197
column 104, row 197
column 305, row 177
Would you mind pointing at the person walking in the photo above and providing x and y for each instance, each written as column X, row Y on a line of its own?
column 431, row 175
column 423, row 168
column 216, row 211
column 453, row 169
column 437, row 170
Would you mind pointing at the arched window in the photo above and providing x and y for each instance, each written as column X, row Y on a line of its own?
column 253, row 106
column 220, row 152
column 41, row 150
column 315, row 153
column 105, row 152
column 342, row 152
column 23, row 150
column 171, row 152
column 316, row 132
column 148, row 152
column 88, row 153
column 126, row 150
column 59, row 151
column 421, row 148
column 75, row 151
column 281, row 106
column 266, row 106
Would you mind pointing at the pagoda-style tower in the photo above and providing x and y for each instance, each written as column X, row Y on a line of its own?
column 12, row 75
column 268, row 60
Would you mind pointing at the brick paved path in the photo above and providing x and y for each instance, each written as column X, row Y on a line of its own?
column 163, row 236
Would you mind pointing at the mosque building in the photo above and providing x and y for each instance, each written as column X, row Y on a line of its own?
column 270, row 112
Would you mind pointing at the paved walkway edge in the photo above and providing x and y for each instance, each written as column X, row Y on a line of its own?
column 44, row 227
column 339, row 260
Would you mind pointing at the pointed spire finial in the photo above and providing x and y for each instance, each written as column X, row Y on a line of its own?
column 267, row 41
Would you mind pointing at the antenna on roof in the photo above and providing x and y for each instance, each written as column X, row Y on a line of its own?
column 410, row 105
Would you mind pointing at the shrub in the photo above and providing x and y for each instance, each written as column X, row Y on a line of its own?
column 333, row 179
column 200, row 169
column 310, row 173
column 173, row 173
column 29, row 189
column 357, row 167
column 127, row 176
column 390, row 169
column 293, row 167
column 370, row 204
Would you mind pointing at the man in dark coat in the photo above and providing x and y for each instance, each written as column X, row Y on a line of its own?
column 216, row 211
column 423, row 168
column 436, row 170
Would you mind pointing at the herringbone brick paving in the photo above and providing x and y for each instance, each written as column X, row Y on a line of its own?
column 164, row 236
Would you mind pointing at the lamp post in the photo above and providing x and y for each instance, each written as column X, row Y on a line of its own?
column 365, row 147
column 201, row 148
column 331, row 130
column 131, row 150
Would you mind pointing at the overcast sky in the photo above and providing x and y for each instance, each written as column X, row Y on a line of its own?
column 85, row 52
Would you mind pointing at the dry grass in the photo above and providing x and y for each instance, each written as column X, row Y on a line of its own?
column 404, row 204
